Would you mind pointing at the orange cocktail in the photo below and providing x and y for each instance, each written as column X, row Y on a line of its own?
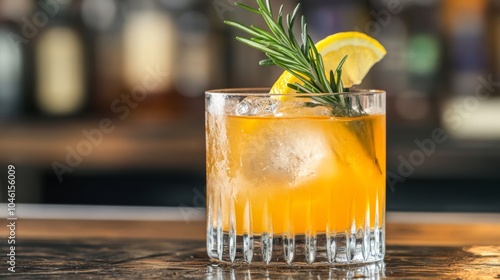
column 294, row 171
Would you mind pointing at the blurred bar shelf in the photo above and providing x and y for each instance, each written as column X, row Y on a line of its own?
column 176, row 144
column 451, row 159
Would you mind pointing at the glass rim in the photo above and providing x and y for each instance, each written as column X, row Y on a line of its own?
column 262, row 91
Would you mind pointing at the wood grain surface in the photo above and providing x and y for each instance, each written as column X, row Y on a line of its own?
column 58, row 249
column 181, row 259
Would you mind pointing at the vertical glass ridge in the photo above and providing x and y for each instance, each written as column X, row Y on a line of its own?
column 365, row 245
column 289, row 247
column 232, row 231
column 310, row 248
column 376, row 231
column 351, row 243
column 267, row 237
column 248, row 241
column 211, row 232
column 288, row 236
column 220, row 237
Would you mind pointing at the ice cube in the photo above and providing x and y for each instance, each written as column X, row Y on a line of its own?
column 219, row 104
column 284, row 152
column 257, row 106
column 300, row 106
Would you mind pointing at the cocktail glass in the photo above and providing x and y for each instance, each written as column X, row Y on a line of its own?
column 294, row 179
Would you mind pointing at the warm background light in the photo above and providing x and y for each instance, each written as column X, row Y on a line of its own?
column 67, row 65
column 149, row 42
column 60, row 75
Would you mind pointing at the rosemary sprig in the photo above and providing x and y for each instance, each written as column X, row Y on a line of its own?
column 305, row 63
column 283, row 50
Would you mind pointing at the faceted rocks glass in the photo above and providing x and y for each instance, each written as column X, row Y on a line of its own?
column 294, row 180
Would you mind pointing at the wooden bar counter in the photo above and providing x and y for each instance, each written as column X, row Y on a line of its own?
column 120, row 249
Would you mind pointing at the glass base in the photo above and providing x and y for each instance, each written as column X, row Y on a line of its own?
column 361, row 247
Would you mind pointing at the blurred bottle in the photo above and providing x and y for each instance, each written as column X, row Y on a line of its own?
column 387, row 24
column 200, row 64
column 424, row 59
column 11, row 71
column 328, row 17
column 466, row 40
column 60, row 60
column 493, row 22
column 102, row 19
column 150, row 47
column 424, row 46
column 464, row 113
column 192, row 73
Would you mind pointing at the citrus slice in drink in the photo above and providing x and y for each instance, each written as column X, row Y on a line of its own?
column 362, row 50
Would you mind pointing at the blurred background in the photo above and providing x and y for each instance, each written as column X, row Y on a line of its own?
column 102, row 101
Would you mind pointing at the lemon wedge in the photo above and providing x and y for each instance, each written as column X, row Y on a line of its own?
column 362, row 50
